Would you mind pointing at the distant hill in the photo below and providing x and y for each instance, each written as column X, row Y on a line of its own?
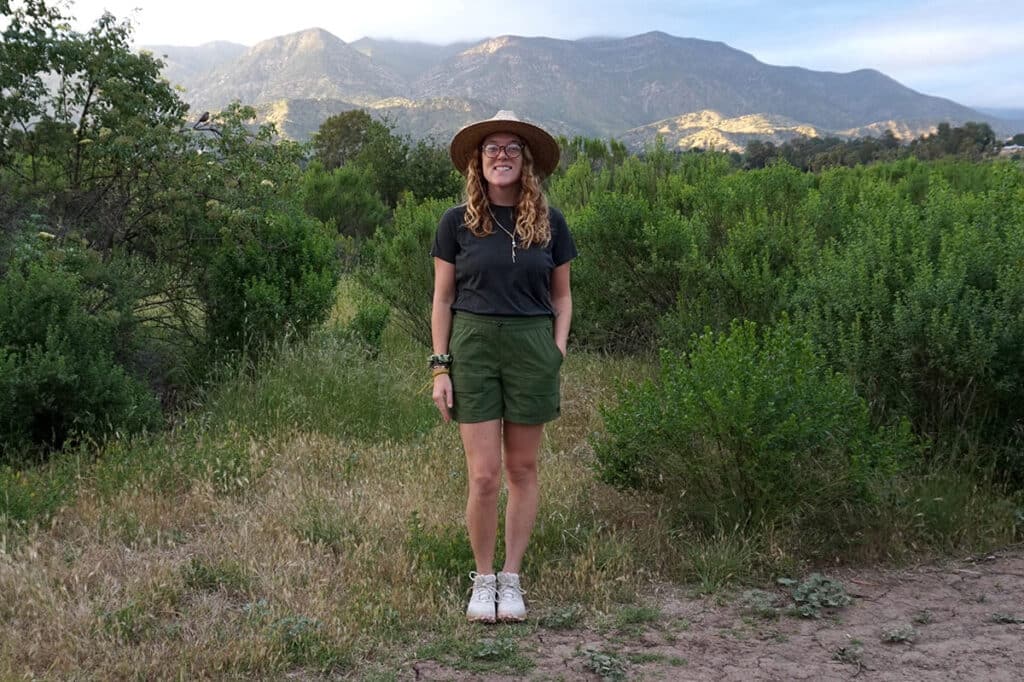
column 692, row 92
column 1012, row 119
column 191, row 64
column 409, row 60
column 312, row 64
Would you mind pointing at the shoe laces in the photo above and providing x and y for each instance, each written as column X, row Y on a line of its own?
column 483, row 591
column 510, row 590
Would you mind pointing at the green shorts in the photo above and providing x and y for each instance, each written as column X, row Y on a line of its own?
column 504, row 368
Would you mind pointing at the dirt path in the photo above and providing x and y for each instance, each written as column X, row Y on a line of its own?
column 963, row 620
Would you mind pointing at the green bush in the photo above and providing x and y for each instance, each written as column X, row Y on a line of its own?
column 273, row 272
column 627, row 274
column 399, row 268
column 59, row 375
column 753, row 244
column 921, row 305
column 368, row 324
column 743, row 430
column 345, row 198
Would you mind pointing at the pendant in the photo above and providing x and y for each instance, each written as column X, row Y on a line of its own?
column 513, row 249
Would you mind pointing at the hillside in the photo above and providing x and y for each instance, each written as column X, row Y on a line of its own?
column 605, row 87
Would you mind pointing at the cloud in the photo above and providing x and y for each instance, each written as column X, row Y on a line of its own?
column 908, row 47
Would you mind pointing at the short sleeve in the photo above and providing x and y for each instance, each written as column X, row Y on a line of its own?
column 446, row 243
column 563, row 246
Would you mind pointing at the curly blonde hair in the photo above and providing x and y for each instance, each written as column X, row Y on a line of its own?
column 533, row 226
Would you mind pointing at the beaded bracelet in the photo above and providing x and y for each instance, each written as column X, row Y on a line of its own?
column 444, row 360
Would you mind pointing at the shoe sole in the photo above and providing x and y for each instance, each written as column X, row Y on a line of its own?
column 484, row 619
column 511, row 619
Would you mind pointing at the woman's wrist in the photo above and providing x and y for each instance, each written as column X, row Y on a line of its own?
column 438, row 360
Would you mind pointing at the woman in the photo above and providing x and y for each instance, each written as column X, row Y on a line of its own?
column 500, row 324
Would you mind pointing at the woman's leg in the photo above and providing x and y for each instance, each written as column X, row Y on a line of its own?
column 482, row 443
column 522, row 445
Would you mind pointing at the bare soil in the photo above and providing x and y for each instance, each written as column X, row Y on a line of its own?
column 958, row 620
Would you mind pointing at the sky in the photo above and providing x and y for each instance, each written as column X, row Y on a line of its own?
column 970, row 51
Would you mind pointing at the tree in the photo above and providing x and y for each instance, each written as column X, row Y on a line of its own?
column 342, row 136
column 344, row 198
column 172, row 243
column 429, row 173
column 757, row 154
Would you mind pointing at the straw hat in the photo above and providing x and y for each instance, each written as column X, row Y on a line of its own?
column 542, row 146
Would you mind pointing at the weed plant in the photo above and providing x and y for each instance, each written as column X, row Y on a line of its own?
column 748, row 430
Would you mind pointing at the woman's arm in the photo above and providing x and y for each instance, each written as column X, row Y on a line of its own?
column 440, row 329
column 561, row 303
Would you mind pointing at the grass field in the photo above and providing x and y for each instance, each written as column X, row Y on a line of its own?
column 307, row 517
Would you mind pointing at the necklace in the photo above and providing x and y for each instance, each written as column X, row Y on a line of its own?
column 504, row 229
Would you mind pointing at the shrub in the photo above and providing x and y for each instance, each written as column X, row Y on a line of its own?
column 921, row 306
column 273, row 272
column 368, row 324
column 59, row 376
column 753, row 246
column 345, row 198
column 627, row 274
column 743, row 430
column 399, row 268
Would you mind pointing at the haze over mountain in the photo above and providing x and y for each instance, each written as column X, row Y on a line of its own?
column 692, row 92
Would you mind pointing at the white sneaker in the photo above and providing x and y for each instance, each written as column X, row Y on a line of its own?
column 481, row 604
column 510, row 598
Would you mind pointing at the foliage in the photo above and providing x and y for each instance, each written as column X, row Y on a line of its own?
column 972, row 141
column 817, row 593
column 759, row 603
column 60, row 377
column 369, row 323
column 899, row 634
column 342, row 137
column 744, row 429
column 626, row 275
column 398, row 266
column 921, row 306
column 499, row 654
column 1007, row 618
column 344, row 198
column 273, row 272
column 187, row 240
column 609, row 666
column 390, row 163
column 753, row 244
column 429, row 173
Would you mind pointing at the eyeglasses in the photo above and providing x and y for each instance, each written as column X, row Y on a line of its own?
column 512, row 149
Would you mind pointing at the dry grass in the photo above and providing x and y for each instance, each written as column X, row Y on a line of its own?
column 309, row 520
column 326, row 553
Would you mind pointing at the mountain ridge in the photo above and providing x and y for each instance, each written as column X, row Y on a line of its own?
column 598, row 87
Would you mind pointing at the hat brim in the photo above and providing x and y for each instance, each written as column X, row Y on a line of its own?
column 543, row 147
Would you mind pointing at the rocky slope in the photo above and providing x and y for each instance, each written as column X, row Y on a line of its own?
column 692, row 92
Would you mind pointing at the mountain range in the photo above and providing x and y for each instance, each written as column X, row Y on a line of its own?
column 691, row 92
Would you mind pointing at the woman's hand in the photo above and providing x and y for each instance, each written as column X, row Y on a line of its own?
column 561, row 349
column 443, row 395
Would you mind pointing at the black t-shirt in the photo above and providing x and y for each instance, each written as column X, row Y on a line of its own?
column 487, row 282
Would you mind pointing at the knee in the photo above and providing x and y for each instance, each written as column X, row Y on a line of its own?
column 521, row 474
column 484, row 484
